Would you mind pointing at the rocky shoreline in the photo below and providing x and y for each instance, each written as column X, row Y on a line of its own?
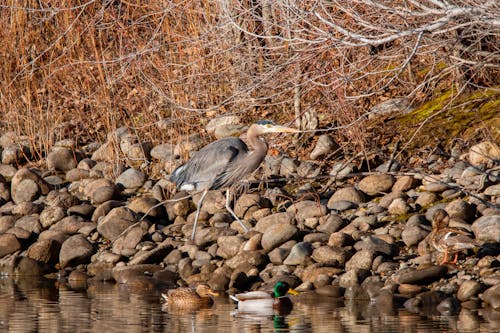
column 84, row 219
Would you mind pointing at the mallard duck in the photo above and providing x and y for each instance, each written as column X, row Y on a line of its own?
column 449, row 240
column 190, row 298
column 276, row 301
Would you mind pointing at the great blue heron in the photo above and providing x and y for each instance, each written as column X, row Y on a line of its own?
column 225, row 162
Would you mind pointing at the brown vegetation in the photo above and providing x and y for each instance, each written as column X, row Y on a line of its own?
column 83, row 68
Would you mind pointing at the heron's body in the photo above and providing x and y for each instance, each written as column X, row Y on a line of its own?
column 225, row 162
column 225, row 154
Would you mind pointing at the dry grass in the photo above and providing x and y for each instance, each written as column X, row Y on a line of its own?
column 82, row 69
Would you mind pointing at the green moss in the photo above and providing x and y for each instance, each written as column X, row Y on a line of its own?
column 448, row 117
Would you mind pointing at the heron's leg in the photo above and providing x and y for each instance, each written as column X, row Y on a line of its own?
column 230, row 210
column 198, row 208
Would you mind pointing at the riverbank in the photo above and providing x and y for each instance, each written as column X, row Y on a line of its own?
column 83, row 218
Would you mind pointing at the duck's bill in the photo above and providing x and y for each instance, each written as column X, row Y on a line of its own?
column 293, row 291
column 213, row 293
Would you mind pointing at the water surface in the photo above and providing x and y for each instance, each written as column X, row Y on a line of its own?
column 51, row 306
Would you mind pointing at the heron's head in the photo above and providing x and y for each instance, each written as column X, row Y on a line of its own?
column 267, row 126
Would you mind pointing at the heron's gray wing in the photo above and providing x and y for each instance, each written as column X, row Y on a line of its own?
column 204, row 169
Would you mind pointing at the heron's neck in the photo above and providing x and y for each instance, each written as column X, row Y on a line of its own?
column 258, row 146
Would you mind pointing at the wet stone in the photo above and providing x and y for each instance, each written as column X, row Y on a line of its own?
column 8, row 244
column 422, row 276
column 468, row 289
column 75, row 250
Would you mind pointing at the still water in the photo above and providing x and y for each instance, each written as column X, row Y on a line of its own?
column 48, row 306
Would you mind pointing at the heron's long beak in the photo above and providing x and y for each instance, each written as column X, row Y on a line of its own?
column 281, row 129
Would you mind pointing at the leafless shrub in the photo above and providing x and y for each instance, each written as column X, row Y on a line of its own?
column 84, row 68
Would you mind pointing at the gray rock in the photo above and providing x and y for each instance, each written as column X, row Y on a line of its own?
column 347, row 193
column 8, row 244
column 4, row 191
column 84, row 210
column 76, row 174
column 229, row 130
column 330, row 224
column 331, row 256
column 375, row 244
column 229, row 246
column 306, row 209
column 484, row 153
column 342, row 205
column 133, row 149
column 299, row 253
column 26, row 190
column 143, row 205
column 7, row 172
column 27, row 208
column 426, row 198
column 61, row 198
column 192, row 143
column 493, row 190
column 44, row 250
column 247, row 204
column 131, row 178
column 163, row 152
column 6, row 222
column 103, row 194
column 221, row 121
column 398, row 207
column 130, row 238
column 214, row 202
column 360, row 260
column 63, row 159
column 93, row 185
column 461, row 210
column 468, row 289
column 14, row 154
column 316, row 237
column 288, row 167
column 491, row 296
column 413, row 234
column 376, row 184
column 70, row 225
column 115, row 222
column 30, row 223
column 487, row 228
column 278, row 255
column 422, row 276
column 104, row 208
column 75, row 250
column 253, row 258
column 277, row 234
column 404, row 183
column 325, row 145
column 340, row 239
column 274, row 219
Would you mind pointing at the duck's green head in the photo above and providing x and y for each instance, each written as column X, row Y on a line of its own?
column 281, row 289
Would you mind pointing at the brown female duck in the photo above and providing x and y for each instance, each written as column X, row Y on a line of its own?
column 190, row 298
column 449, row 240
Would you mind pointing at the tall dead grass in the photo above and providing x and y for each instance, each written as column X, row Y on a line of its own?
column 81, row 69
